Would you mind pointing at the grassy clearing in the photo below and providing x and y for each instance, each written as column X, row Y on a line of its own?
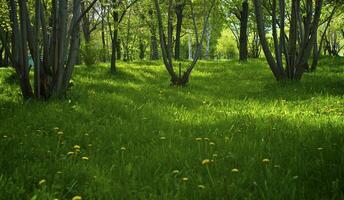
column 140, row 138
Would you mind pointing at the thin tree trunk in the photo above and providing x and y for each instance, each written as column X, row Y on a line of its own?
column 179, row 14
column 243, row 52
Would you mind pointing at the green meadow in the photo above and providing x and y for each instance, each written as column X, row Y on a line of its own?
column 232, row 133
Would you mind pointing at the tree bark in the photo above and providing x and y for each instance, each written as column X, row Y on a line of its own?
column 243, row 51
column 179, row 13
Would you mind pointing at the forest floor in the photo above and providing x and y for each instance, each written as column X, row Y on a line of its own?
column 232, row 133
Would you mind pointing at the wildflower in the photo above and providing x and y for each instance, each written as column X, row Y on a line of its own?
column 235, row 170
column 76, row 146
column 70, row 153
column 205, row 161
column 84, row 158
column 41, row 182
column 162, row 138
column 198, row 139
column 56, row 128
column 123, row 148
column 266, row 160
column 185, row 179
column 201, row 186
column 77, row 198
column 211, row 143
column 60, row 133
column 175, row 171
column 206, row 139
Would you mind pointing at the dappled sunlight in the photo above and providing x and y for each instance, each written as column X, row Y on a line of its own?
column 231, row 122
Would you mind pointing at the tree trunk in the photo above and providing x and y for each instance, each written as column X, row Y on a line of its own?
column 262, row 35
column 243, row 52
column 179, row 14
column 190, row 45
column 207, row 46
column 154, row 48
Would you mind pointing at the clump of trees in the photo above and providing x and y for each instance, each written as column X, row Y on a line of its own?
column 51, row 37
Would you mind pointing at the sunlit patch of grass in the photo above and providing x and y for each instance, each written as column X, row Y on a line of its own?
column 232, row 133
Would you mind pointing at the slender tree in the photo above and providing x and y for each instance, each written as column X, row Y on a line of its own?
column 166, row 42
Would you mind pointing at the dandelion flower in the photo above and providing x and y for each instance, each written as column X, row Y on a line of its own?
column 235, row 170
column 205, row 161
column 70, row 153
column 84, row 158
column 162, row 138
column 206, row 139
column 56, row 128
column 175, row 171
column 185, row 179
column 41, row 182
column 201, row 186
column 60, row 133
column 211, row 143
column 77, row 198
column 76, row 146
column 198, row 139
column 266, row 160
column 123, row 148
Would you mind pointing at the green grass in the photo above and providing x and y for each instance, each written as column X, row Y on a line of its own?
column 137, row 131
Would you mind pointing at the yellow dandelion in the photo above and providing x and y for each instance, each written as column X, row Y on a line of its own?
column 70, row 153
column 56, row 128
column 205, row 161
column 60, row 133
column 235, row 170
column 201, row 186
column 84, row 158
column 185, row 179
column 211, row 143
column 76, row 146
column 198, row 139
column 123, row 148
column 77, row 198
column 175, row 171
column 266, row 160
